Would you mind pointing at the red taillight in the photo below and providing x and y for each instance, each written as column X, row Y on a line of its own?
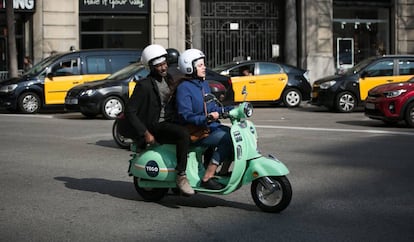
column 219, row 86
column 229, row 81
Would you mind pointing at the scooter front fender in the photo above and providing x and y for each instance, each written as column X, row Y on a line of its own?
column 263, row 166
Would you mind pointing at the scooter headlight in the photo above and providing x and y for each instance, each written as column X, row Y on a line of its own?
column 248, row 109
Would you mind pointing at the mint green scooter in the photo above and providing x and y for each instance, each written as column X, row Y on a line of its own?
column 154, row 169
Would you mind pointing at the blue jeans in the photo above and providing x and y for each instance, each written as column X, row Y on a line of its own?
column 219, row 139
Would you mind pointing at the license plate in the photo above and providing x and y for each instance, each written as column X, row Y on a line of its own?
column 71, row 101
column 369, row 106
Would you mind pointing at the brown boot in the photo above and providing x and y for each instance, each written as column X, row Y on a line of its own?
column 184, row 186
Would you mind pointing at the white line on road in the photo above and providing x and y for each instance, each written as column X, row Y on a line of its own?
column 371, row 131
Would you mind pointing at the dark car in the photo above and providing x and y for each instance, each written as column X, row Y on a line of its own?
column 226, row 97
column 47, row 83
column 267, row 82
column 344, row 92
column 392, row 103
column 108, row 96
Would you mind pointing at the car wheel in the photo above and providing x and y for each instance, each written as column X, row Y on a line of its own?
column 409, row 115
column 29, row 102
column 292, row 97
column 111, row 107
column 345, row 102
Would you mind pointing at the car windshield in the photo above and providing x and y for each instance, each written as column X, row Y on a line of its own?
column 39, row 67
column 358, row 67
column 223, row 67
column 126, row 72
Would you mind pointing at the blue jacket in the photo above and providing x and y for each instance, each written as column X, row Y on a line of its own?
column 190, row 103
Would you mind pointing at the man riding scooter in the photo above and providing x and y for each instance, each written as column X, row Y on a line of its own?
column 147, row 112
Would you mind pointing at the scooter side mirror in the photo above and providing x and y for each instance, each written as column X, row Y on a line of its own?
column 244, row 93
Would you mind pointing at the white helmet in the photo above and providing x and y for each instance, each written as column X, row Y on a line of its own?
column 153, row 55
column 187, row 59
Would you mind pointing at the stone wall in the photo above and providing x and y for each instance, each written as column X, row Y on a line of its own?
column 317, row 36
column 55, row 27
column 168, row 23
column 404, row 26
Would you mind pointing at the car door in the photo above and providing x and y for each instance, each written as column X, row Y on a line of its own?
column 62, row 76
column 405, row 69
column 270, row 81
column 378, row 73
column 239, row 80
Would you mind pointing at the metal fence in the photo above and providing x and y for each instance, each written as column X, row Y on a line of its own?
column 5, row 74
column 233, row 30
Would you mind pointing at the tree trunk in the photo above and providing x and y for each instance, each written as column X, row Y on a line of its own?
column 11, row 39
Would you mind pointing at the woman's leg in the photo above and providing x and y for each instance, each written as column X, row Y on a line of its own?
column 220, row 139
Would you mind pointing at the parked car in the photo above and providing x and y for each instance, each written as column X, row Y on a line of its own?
column 226, row 97
column 47, row 82
column 392, row 103
column 267, row 82
column 344, row 92
column 109, row 96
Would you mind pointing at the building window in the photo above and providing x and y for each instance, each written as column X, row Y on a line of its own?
column 360, row 33
column 114, row 32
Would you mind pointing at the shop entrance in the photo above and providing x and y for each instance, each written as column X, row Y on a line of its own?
column 363, row 30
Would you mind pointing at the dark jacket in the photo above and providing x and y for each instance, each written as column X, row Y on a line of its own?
column 144, row 106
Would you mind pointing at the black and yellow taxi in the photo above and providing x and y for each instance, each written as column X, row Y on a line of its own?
column 47, row 83
column 267, row 82
column 345, row 92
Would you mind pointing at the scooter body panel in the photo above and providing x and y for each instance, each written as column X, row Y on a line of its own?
column 155, row 163
column 263, row 166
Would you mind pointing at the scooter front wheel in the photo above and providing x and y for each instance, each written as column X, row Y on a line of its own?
column 150, row 194
column 271, row 194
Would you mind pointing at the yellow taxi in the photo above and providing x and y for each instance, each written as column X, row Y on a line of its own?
column 267, row 82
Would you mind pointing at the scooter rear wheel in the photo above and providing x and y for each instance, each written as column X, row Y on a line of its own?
column 150, row 194
column 120, row 140
column 271, row 194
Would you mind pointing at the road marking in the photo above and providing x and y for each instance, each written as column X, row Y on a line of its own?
column 28, row 115
column 370, row 131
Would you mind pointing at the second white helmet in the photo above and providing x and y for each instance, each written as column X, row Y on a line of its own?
column 153, row 55
column 187, row 59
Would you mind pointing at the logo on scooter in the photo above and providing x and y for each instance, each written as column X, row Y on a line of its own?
column 152, row 168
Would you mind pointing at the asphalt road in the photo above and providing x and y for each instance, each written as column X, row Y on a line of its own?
column 62, row 178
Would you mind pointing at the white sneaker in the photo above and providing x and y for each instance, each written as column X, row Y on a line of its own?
column 184, row 186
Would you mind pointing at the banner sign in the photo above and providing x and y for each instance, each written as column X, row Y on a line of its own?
column 113, row 6
column 19, row 5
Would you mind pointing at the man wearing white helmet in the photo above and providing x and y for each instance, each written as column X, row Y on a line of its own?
column 148, row 111
column 192, row 109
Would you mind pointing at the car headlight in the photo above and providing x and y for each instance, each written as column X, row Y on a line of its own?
column 326, row 85
column 8, row 88
column 88, row 92
column 396, row 93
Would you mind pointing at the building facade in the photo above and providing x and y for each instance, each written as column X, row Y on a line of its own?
column 322, row 36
